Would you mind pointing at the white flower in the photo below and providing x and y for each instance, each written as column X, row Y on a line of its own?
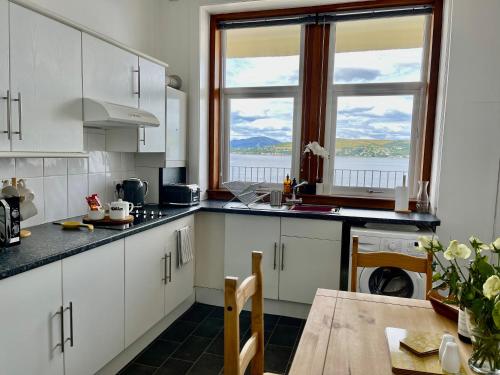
column 426, row 242
column 475, row 239
column 491, row 287
column 496, row 244
column 457, row 250
column 316, row 149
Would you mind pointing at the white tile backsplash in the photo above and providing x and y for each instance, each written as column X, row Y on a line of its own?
column 78, row 166
column 29, row 167
column 55, row 166
column 7, row 168
column 56, row 197
column 60, row 185
column 78, row 189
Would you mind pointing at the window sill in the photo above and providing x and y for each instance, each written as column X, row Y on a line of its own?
column 342, row 201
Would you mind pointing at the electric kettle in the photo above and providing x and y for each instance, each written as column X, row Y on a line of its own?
column 133, row 190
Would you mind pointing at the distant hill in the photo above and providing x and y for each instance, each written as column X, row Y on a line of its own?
column 344, row 147
column 254, row 142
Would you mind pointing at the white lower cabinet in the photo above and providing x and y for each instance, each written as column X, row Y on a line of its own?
column 295, row 264
column 247, row 233
column 180, row 280
column 306, row 265
column 144, row 281
column 93, row 284
column 154, row 285
column 30, row 329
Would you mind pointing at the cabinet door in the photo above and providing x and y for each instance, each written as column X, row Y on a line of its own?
column 109, row 73
column 247, row 233
column 180, row 281
column 4, row 73
column 306, row 265
column 30, row 329
column 152, row 100
column 94, row 282
column 144, row 281
column 176, row 125
column 46, row 81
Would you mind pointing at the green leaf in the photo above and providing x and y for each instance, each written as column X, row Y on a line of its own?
column 485, row 268
column 436, row 277
column 496, row 314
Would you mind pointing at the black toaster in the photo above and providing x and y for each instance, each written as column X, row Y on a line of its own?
column 179, row 194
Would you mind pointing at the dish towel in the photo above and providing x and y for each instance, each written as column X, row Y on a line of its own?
column 184, row 247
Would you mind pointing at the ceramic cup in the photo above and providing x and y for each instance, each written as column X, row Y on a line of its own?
column 27, row 209
column 96, row 214
column 26, row 194
column 120, row 209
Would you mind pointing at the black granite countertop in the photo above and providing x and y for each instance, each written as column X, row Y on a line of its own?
column 49, row 243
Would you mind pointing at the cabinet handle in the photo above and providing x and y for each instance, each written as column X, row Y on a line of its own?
column 170, row 267
column 61, row 314
column 143, row 140
column 9, row 114
column 138, row 71
column 275, row 247
column 164, row 279
column 282, row 256
column 70, row 338
column 20, row 115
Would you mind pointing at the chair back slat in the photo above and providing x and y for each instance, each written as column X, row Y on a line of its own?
column 388, row 259
column 235, row 298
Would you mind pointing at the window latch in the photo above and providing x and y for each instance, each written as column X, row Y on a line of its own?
column 374, row 191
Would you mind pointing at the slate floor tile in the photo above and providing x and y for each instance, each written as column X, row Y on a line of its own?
column 208, row 364
column 217, row 346
column 217, row 313
column 174, row 367
column 179, row 331
column 285, row 320
column 197, row 313
column 137, row 369
column 157, row 353
column 276, row 358
column 210, row 327
column 192, row 348
column 284, row 335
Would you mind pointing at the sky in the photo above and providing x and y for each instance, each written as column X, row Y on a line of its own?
column 375, row 117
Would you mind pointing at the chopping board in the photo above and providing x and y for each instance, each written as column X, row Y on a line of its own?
column 404, row 362
column 107, row 221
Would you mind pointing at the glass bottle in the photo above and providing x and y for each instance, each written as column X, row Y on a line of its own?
column 423, row 197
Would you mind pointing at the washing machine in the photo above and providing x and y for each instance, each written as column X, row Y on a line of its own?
column 390, row 281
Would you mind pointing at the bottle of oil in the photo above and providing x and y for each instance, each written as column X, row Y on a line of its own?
column 287, row 185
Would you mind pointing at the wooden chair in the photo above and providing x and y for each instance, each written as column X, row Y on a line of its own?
column 389, row 259
column 236, row 362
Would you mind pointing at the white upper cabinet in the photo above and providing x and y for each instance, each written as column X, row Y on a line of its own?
column 176, row 127
column 152, row 99
column 110, row 74
column 4, row 74
column 93, row 284
column 46, row 83
column 30, row 322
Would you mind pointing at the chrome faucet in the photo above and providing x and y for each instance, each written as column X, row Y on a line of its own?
column 294, row 199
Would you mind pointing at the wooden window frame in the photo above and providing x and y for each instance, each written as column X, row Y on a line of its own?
column 310, row 131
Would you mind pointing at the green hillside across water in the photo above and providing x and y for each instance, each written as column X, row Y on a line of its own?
column 345, row 147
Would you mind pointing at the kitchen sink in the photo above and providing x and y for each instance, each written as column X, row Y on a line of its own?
column 321, row 209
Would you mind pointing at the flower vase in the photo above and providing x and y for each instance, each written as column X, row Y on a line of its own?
column 485, row 358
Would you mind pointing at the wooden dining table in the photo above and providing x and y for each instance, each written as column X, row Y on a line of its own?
column 345, row 332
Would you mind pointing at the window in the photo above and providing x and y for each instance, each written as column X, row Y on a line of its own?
column 360, row 79
column 260, row 96
column 376, row 97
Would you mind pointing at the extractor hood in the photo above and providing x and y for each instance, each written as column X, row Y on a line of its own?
column 104, row 115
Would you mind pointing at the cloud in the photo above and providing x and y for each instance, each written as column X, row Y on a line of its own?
column 343, row 75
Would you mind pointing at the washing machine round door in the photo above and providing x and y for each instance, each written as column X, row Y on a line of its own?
column 389, row 281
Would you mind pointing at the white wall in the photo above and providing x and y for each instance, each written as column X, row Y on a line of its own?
column 132, row 22
column 466, row 195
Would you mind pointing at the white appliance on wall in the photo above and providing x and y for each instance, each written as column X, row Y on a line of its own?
column 390, row 281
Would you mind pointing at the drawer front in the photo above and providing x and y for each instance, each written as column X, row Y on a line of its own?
column 309, row 228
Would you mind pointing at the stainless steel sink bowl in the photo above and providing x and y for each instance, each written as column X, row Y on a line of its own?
column 320, row 209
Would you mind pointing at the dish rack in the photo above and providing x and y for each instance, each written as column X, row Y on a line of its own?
column 245, row 192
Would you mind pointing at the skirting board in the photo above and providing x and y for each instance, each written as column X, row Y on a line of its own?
column 284, row 308
column 122, row 359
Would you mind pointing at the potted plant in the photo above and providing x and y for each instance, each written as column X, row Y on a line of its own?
column 476, row 289
column 315, row 186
